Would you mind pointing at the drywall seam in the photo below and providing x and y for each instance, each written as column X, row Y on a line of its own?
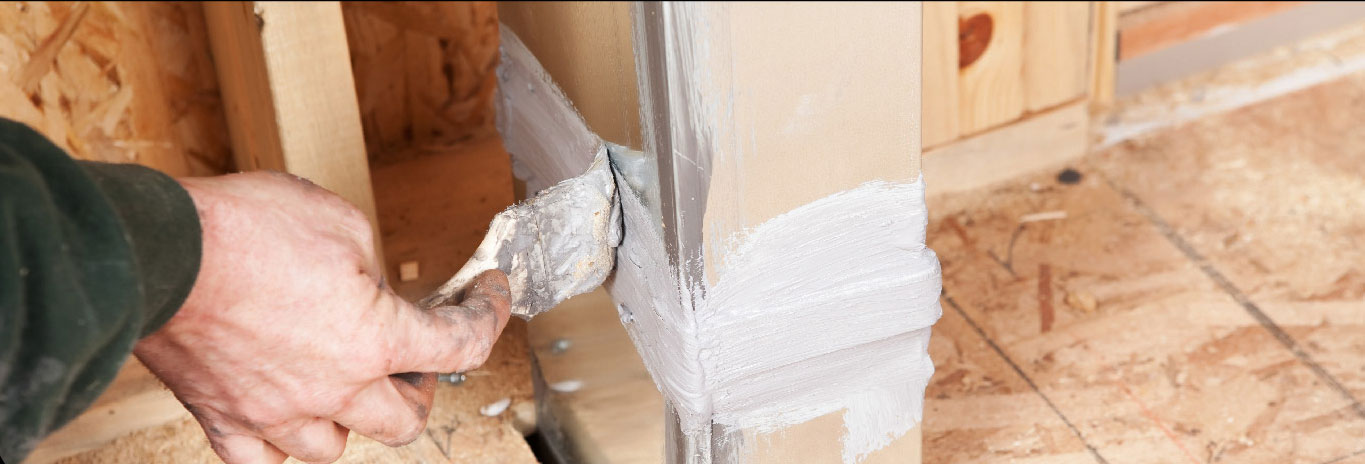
column 548, row 140
column 824, row 308
column 675, row 121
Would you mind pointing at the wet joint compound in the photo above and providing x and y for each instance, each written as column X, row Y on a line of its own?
column 824, row 307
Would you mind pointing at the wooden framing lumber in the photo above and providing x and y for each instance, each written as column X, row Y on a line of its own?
column 1044, row 140
column 1104, row 53
column 991, row 92
column 134, row 400
column 1126, row 7
column 1056, row 53
column 1230, row 41
column 987, row 64
column 1159, row 26
column 289, row 94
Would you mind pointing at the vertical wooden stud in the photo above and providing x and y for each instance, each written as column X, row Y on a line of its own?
column 1104, row 44
column 990, row 60
column 1056, row 53
column 289, row 94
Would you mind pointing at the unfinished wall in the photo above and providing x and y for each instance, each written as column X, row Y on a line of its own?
column 119, row 82
column 423, row 71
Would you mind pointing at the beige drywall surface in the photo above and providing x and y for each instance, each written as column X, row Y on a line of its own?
column 808, row 115
column 586, row 47
column 811, row 114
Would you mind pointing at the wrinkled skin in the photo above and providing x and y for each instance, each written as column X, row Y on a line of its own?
column 290, row 338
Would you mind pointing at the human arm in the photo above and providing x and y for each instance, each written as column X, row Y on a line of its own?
column 284, row 328
column 291, row 335
column 93, row 256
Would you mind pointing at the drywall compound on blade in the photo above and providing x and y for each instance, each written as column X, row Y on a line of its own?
column 561, row 242
column 555, row 245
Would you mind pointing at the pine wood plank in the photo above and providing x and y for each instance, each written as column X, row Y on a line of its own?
column 1040, row 141
column 289, row 94
column 1104, row 58
column 990, row 89
column 1056, row 52
column 1151, row 29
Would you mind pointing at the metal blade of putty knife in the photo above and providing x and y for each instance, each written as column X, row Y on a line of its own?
column 557, row 244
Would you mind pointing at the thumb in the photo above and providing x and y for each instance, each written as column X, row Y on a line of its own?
column 453, row 338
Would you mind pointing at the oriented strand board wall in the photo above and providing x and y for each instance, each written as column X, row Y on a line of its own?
column 423, row 71
column 119, row 82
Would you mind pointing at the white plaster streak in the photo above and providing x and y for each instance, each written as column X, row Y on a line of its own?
column 821, row 309
column 548, row 140
column 645, row 286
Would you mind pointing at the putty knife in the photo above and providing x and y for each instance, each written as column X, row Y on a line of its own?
column 562, row 241
column 557, row 244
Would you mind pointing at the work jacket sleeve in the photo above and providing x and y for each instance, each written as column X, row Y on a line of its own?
column 93, row 256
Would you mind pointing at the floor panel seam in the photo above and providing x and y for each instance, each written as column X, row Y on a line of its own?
column 1237, row 294
column 1020, row 371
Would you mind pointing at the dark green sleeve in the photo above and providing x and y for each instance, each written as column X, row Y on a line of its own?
column 93, row 256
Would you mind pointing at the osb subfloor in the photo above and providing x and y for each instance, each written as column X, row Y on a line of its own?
column 1201, row 300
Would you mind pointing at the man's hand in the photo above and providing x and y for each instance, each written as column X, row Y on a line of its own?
column 290, row 337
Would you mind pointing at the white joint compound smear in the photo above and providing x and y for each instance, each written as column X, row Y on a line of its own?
column 548, row 140
column 822, row 309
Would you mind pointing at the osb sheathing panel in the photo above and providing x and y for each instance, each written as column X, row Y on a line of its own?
column 423, row 71
column 118, row 82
